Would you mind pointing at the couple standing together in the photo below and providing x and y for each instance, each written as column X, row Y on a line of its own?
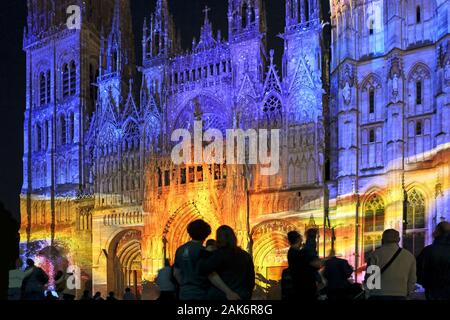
column 222, row 271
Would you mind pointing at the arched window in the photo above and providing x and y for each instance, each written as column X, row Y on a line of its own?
column 48, row 86
column 418, row 14
column 371, row 136
column 373, row 223
column 306, row 9
column 63, row 130
column 374, row 215
column 419, row 130
column 42, row 89
column 416, row 210
column 72, row 127
column 414, row 240
column 66, row 80
column 418, row 92
column 73, row 78
column 371, row 100
column 272, row 110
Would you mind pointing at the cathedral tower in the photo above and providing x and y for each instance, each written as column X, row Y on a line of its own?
column 246, row 29
column 117, row 63
column 62, row 60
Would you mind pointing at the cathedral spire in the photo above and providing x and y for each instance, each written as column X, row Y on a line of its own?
column 301, row 12
column 118, row 52
column 207, row 40
column 158, row 36
column 243, row 17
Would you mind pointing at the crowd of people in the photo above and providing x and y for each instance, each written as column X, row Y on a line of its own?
column 219, row 269
column 31, row 283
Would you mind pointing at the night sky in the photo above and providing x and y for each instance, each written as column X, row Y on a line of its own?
column 188, row 16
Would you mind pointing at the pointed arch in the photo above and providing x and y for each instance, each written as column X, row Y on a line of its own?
column 371, row 81
column 373, row 221
column 419, row 71
column 416, row 220
column 108, row 134
column 272, row 83
column 272, row 110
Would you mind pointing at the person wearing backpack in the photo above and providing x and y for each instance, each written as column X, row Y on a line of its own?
column 397, row 269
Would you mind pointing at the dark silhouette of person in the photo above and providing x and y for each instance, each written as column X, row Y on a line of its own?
column 128, row 295
column 9, row 238
column 33, row 284
column 98, row 296
column 433, row 265
column 49, row 296
column 303, row 269
column 211, row 245
column 86, row 295
column 192, row 285
column 111, row 296
column 164, row 280
column 229, row 268
column 337, row 272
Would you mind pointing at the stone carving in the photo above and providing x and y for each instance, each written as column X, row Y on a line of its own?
column 347, row 83
column 394, row 77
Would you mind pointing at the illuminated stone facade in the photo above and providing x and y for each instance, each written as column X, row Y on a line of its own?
column 390, row 126
column 99, row 184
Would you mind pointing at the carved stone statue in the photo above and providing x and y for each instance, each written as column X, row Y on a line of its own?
column 347, row 93
column 395, row 87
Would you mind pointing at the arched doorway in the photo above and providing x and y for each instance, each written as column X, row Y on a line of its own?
column 414, row 238
column 270, row 248
column 125, row 262
column 175, row 231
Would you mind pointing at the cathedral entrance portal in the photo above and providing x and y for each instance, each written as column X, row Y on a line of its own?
column 124, row 262
column 175, row 231
column 270, row 247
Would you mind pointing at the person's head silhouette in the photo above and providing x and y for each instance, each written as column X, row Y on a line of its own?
column 30, row 263
column 199, row 230
column 390, row 236
column 295, row 239
column 442, row 228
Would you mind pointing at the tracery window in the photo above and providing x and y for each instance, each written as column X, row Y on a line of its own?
column 273, row 111
column 414, row 240
column 373, row 221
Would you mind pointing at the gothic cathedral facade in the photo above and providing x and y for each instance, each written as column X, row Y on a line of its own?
column 100, row 190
